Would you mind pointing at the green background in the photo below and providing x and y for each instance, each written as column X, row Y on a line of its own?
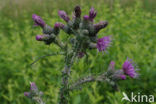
column 132, row 23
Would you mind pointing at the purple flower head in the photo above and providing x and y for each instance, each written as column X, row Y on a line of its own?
column 123, row 77
column 129, row 69
column 33, row 86
column 103, row 43
column 42, row 37
column 38, row 20
column 27, row 94
column 59, row 25
column 86, row 17
column 100, row 26
column 77, row 11
column 63, row 15
column 39, row 37
column 92, row 14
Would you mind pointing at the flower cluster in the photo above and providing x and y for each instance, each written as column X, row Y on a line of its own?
column 49, row 33
column 128, row 69
column 84, row 30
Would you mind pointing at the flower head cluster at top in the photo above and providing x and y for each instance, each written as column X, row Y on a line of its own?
column 84, row 29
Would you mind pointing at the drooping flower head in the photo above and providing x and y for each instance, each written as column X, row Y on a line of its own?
column 42, row 37
column 63, row 15
column 129, row 69
column 103, row 43
column 38, row 20
column 92, row 14
column 77, row 11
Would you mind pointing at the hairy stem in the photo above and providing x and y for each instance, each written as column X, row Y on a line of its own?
column 82, row 81
column 64, row 91
column 88, row 79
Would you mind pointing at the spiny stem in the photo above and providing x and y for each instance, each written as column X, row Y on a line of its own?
column 88, row 79
column 64, row 92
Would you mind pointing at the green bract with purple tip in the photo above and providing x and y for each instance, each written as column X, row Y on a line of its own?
column 38, row 20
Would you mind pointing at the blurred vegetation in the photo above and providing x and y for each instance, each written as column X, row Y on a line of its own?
column 132, row 24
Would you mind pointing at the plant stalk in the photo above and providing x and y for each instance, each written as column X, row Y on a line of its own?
column 64, row 91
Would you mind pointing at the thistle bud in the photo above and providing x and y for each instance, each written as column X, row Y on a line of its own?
column 86, row 18
column 77, row 11
column 56, row 28
column 100, row 26
column 59, row 25
column 38, row 20
column 92, row 14
column 27, row 94
column 42, row 37
column 39, row 37
column 85, row 22
column 63, row 15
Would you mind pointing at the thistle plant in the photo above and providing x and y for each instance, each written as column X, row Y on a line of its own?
column 83, row 36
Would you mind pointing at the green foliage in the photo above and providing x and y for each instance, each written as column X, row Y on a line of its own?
column 132, row 28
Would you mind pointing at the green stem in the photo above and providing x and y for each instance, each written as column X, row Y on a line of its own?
column 64, row 91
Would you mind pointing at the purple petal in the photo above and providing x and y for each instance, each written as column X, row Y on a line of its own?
column 86, row 17
column 39, row 37
column 129, row 69
column 103, row 43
